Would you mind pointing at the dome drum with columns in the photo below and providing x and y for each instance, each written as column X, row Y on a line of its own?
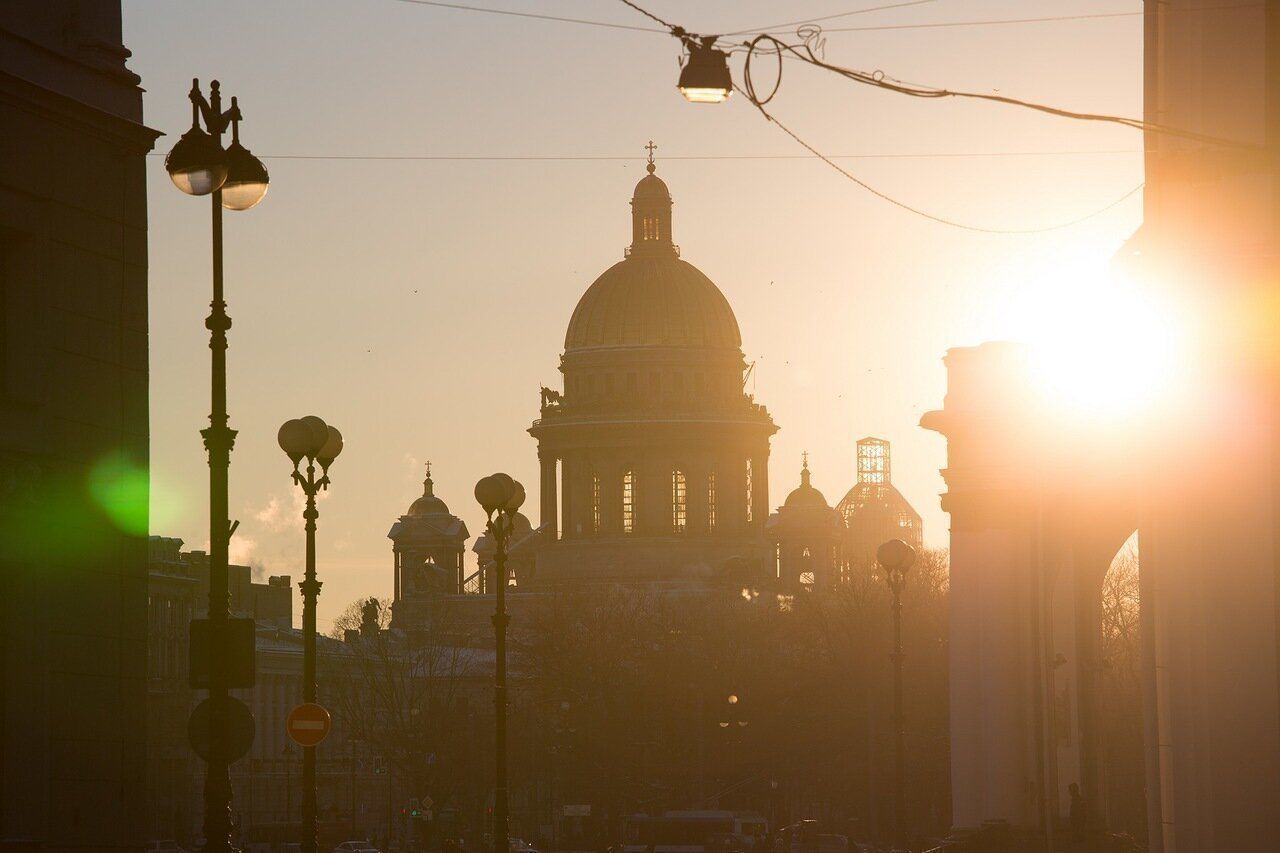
column 654, row 463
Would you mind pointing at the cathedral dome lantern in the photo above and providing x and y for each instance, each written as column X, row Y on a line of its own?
column 651, row 214
column 654, row 460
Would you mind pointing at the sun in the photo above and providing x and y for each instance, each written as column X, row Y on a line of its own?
column 1101, row 343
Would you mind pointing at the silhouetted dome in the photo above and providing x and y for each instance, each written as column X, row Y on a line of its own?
column 428, row 504
column 653, row 300
column 805, row 496
column 651, row 187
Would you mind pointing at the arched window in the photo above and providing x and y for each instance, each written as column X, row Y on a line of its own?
column 711, row 501
column 679, row 502
column 750, row 490
column 628, row 502
column 595, row 502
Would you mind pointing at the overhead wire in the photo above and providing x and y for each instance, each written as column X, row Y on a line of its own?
column 924, row 213
column 538, row 16
column 830, row 17
column 884, row 155
column 1040, row 20
column 810, row 48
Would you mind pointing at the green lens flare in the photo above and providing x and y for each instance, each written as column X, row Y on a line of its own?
column 119, row 485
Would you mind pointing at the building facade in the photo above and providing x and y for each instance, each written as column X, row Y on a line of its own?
column 1039, row 508
column 654, row 462
column 73, row 430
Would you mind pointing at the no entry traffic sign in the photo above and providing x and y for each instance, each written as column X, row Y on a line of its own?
column 228, row 712
column 308, row 724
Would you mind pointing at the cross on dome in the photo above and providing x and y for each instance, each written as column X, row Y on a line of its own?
column 650, row 167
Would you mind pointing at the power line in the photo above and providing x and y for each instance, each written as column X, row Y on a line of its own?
column 1046, row 19
column 827, row 17
column 917, row 211
column 887, row 155
column 557, row 18
column 670, row 27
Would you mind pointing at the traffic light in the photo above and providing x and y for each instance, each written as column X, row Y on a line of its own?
column 379, row 766
column 415, row 807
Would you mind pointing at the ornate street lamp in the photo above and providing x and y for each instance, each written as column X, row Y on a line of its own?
column 312, row 439
column 896, row 558
column 705, row 78
column 198, row 165
column 500, row 497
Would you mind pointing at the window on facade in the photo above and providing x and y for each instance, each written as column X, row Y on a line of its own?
column 711, row 501
column 750, row 508
column 628, row 502
column 806, row 579
column 595, row 503
column 679, row 502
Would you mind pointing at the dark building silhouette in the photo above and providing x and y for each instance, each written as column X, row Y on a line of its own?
column 428, row 543
column 73, row 429
column 654, row 462
column 177, row 592
column 805, row 531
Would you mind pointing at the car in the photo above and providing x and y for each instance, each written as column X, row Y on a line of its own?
column 354, row 847
column 167, row 845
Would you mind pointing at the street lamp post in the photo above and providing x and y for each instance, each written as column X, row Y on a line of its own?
column 199, row 165
column 896, row 558
column 501, row 497
column 310, row 438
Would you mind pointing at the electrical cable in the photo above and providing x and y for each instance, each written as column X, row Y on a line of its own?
column 540, row 17
column 917, row 211
column 829, row 17
column 805, row 52
column 1047, row 19
column 670, row 26
column 887, row 155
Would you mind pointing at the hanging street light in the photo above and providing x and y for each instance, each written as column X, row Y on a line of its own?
column 199, row 166
column 705, row 78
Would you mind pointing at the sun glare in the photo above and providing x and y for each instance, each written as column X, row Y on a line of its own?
column 1100, row 344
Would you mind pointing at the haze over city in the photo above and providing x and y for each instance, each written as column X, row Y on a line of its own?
column 419, row 304
column 631, row 426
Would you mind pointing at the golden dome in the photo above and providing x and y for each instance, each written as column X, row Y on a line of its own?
column 653, row 300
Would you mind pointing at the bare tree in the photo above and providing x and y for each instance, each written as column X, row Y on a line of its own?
column 407, row 696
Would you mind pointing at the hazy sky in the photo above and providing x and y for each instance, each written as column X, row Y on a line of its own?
column 419, row 305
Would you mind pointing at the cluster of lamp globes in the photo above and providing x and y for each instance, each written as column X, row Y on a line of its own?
column 310, row 438
column 499, row 493
column 198, row 165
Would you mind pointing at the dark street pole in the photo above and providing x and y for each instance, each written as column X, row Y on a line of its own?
column 219, row 438
column 896, row 557
column 198, row 165
column 312, row 438
column 501, row 497
column 501, row 827
column 310, row 587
